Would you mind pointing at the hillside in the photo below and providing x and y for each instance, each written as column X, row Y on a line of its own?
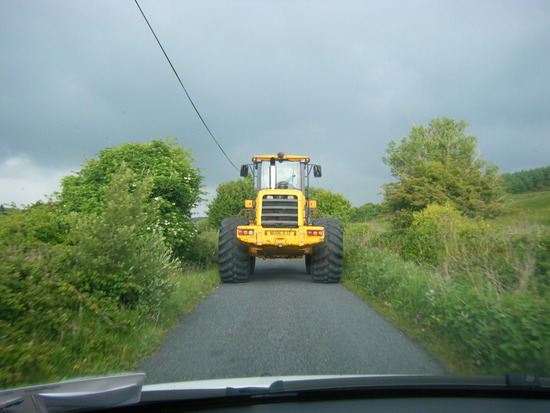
column 533, row 207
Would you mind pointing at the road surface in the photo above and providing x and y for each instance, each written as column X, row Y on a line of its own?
column 281, row 323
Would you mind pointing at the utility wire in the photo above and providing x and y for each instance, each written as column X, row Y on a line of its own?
column 183, row 87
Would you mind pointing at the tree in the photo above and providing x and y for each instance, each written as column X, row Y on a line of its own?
column 175, row 186
column 524, row 181
column 331, row 204
column 229, row 200
column 438, row 164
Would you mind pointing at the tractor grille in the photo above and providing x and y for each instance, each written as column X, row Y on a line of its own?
column 279, row 211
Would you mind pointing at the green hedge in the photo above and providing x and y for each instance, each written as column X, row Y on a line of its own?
column 493, row 330
column 89, row 293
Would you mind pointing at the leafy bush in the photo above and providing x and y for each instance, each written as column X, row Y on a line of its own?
column 38, row 310
column 52, row 331
column 39, row 224
column 366, row 212
column 437, row 232
column 118, row 255
column 206, row 248
column 88, row 293
column 331, row 204
column 89, row 284
column 175, row 187
column 229, row 200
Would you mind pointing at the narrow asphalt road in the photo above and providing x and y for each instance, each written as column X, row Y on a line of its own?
column 281, row 323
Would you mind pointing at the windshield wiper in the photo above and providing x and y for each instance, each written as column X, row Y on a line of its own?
column 274, row 388
column 82, row 394
column 509, row 383
column 260, row 387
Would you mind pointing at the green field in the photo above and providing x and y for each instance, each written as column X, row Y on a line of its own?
column 533, row 207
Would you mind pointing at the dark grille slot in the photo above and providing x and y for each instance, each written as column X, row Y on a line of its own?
column 279, row 211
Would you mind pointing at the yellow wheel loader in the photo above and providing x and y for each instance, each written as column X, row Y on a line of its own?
column 280, row 223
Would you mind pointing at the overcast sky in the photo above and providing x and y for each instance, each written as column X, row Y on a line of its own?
column 335, row 80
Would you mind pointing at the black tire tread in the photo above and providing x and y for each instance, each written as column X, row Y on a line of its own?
column 327, row 263
column 234, row 263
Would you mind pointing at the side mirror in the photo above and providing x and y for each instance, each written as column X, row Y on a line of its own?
column 244, row 171
column 317, row 171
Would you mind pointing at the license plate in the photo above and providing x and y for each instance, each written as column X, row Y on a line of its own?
column 282, row 233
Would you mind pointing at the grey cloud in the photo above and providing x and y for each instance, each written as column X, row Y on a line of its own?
column 334, row 80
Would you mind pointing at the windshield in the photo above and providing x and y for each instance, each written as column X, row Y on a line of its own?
column 132, row 242
column 280, row 175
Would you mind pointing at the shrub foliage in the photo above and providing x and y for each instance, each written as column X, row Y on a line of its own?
column 117, row 254
column 229, row 200
column 175, row 187
column 80, row 277
column 331, row 204
column 367, row 212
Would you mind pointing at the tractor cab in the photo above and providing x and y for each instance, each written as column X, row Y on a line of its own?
column 281, row 172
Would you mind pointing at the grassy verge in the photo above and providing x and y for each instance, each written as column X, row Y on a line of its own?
column 442, row 349
column 481, row 305
column 469, row 325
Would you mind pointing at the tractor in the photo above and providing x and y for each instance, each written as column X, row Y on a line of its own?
column 282, row 222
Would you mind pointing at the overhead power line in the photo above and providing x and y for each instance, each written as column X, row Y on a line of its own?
column 183, row 87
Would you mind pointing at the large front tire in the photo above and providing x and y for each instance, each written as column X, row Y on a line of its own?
column 234, row 263
column 327, row 261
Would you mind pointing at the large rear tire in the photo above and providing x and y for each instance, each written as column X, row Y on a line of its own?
column 327, row 261
column 234, row 263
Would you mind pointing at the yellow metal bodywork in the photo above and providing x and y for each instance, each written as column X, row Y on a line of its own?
column 280, row 242
column 294, row 158
column 273, row 242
